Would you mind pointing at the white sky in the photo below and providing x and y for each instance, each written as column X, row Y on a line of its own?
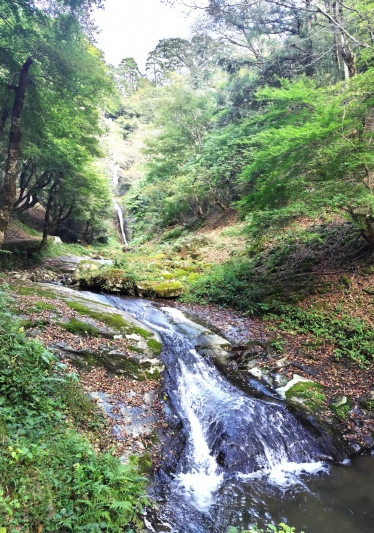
column 132, row 28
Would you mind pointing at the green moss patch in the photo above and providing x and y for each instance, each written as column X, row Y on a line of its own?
column 41, row 306
column 35, row 291
column 309, row 392
column 80, row 328
column 155, row 346
column 114, row 321
column 145, row 464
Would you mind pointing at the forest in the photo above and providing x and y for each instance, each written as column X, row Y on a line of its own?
column 233, row 176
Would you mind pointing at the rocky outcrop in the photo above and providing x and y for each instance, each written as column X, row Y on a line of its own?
column 155, row 289
column 90, row 275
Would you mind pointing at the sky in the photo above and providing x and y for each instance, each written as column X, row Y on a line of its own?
column 132, row 28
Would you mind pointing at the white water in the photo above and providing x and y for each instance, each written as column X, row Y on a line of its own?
column 118, row 208
column 231, row 438
column 121, row 223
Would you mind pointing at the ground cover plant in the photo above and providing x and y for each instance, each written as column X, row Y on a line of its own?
column 51, row 476
column 284, row 280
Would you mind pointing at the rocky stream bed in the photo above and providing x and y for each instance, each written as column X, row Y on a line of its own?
column 228, row 404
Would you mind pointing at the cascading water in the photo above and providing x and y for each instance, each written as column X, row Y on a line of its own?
column 118, row 208
column 230, row 438
column 121, row 221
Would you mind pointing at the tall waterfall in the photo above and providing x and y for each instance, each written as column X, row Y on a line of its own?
column 118, row 208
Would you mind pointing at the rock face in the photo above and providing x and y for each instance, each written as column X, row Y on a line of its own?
column 90, row 275
column 206, row 342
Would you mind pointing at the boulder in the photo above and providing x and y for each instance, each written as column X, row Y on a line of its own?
column 114, row 280
column 156, row 289
column 86, row 266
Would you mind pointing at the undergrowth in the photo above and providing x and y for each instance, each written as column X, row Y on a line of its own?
column 50, row 476
column 272, row 281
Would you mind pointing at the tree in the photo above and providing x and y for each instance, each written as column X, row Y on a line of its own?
column 195, row 58
column 291, row 32
column 128, row 76
column 59, row 114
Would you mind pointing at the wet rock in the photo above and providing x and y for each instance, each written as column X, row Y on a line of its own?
column 280, row 380
column 256, row 372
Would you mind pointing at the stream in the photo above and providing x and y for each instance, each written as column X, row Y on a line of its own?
column 237, row 459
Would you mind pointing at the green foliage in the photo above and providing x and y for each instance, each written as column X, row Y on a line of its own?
column 257, row 284
column 51, row 477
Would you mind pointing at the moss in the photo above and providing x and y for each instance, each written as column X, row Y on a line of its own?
column 180, row 273
column 136, row 349
column 80, row 328
column 145, row 464
column 28, row 324
column 35, row 291
column 167, row 276
column 41, row 306
column 171, row 289
column 309, row 392
column 193, row 277
column 155, row 346
column 341, row 408
column 114, row 321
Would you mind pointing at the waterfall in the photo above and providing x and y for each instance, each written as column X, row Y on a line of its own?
column 121, row 221
column 229, row 438
column 118, row 208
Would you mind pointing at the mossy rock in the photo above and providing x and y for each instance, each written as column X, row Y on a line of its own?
column 167, row 289
column 341, row 406
column 86, row 266
column 112, row 320
column 308, row 393
column 80, row 328
column 113, row 280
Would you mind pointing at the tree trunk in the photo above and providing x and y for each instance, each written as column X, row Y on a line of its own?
column 9, row 189
column 368, row 232
column 46, row 227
